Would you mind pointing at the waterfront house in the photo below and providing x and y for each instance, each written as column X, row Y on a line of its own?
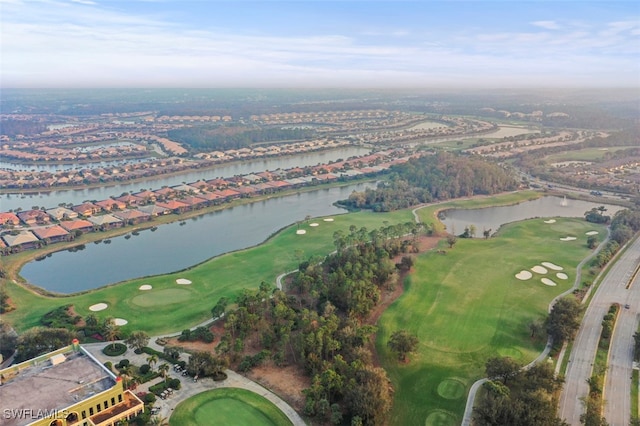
column 61, row 213
column 9, row 219
column 132, row 217
column 130, row 200
column 175, row 206
column 24, row 240
column 52, row 234
column 77, row 225
column 106, row 221
column 147, row 195
column 154, row 210
column 165, row 193
column 34, row 217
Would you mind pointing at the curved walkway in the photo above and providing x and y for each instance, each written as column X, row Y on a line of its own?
column 190, row 388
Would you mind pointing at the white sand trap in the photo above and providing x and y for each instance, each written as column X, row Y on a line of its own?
column 591, row 233
column 301, row 232
column 562, row 276
column 539, row 269
column 120, row 321
column 547, row 281
column 145, row 287
column 552, row 266
column 568, row 238
column 550, row 221
column 98, row 307
column 314, row 224
column 524, row 275
column 182, row 281
column 328, row 219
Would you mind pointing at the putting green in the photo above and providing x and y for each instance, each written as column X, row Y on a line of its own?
column 227, row 406
column 161, row 297
column 512, row 353
column 451, row 388
column 441, row 418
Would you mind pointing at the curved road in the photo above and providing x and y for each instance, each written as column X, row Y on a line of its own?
column 612, row 289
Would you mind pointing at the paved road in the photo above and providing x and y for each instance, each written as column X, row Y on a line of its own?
column 612, row 289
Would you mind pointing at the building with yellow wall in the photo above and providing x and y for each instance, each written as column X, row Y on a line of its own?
column 62, row 388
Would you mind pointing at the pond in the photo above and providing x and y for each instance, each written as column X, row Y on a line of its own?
column 493, row 217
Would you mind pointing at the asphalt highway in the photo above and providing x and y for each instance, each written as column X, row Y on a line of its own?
column 612, row 289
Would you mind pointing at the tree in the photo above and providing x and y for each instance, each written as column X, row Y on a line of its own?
column 502, row 368
column 152, row 359
column 137, row 340
column 636, row 346
column 564, row 319
column 8, row 339
column 111, row 331
column 40, row 340
column 91, row 321
column 592, row 242
column 451, row 240
column 163, row 369
column 403, row 343
column 369, row 395
column 218, row 310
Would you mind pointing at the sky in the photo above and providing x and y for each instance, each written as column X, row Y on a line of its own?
column 318, row 44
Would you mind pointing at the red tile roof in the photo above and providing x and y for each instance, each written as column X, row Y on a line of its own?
column 50, row 232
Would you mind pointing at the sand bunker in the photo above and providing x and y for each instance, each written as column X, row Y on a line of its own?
column 562, row 276
column 182, row 281
column 552, row 266
column 524, row 275
column 145, row 287
column 120, row 321
column 328, row 219
column 568, row 238
column 547, row 281
column 539, row 269
column 301, row 232
column 314, row 224
column 591, row 233
column 98, row 307
column 550, row 221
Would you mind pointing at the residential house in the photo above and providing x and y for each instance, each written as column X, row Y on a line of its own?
column 106, row 221
column 9, row 219
column 175, row 206
column 77, row 225
column 86, row 209
column 61, row 213
column 132, row 217
column 22, row 241
column 111, row 204
column 52, row 234
column 154, row 210
column 34, row 217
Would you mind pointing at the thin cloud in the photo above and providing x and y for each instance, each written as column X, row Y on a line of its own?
column 547, row 25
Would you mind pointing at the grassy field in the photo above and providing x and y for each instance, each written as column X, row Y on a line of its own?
column 466, row 306
column 170, row 307
column 587, row 154
column 228, row 406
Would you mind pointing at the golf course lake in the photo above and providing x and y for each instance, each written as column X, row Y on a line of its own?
column 179, row 245
column 457, row 220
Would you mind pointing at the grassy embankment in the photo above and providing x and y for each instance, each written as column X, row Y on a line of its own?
column 466, row 306
column 228, row 406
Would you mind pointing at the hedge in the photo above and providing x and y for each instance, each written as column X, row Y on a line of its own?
column 114, row 349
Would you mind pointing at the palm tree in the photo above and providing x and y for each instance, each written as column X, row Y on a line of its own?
column 158, row 421
column 152, row 359
column 163, row 369
column 111, row 331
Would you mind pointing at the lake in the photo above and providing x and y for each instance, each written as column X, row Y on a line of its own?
column 493, row 217
column 173, row 247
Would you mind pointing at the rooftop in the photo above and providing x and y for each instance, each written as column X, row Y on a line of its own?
column 45, row 387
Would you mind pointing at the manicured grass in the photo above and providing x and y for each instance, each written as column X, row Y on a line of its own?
column 466, row 306
column 227, row 406
column 157, row 311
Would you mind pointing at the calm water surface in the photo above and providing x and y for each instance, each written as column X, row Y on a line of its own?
column 174, row 247
column 494, row 217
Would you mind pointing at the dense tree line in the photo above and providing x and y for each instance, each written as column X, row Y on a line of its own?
column 13, row 128
column 321, row 327
column 518, row 397
column 624, row 225
column 221, row 138
column 433, row 177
